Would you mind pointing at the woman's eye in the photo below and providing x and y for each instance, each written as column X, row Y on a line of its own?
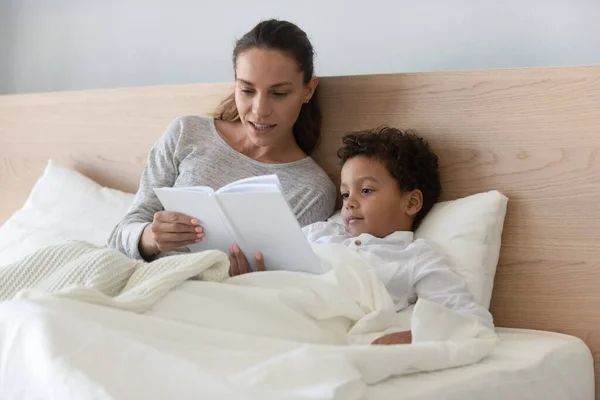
column 246, row 91
column 278, row 94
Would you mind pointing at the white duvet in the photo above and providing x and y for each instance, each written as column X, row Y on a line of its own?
column 269, row 335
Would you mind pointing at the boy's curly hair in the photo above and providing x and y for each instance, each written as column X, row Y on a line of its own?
column 406, row 156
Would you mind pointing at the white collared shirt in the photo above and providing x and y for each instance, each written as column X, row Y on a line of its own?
column 409, row 268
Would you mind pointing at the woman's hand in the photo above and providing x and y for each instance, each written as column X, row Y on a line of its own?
column 395, row 338
column 169, row 231
column 239, row 264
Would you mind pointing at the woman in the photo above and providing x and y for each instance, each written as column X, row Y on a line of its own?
column 269, row 125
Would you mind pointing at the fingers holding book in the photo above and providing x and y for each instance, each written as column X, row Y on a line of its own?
column 239, row 263
column 170, row 231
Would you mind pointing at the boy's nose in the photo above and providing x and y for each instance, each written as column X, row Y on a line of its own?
column 350, row 203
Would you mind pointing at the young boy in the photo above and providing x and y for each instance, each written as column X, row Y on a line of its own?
column 389, row 182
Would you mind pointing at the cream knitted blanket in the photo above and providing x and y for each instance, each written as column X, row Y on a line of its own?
column 85, row 272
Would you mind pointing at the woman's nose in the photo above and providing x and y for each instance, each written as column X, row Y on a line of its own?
column 261, row 106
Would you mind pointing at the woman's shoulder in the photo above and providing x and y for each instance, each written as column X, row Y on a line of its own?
column 310, row 174
column 187, row 125
column 185, row 135
column 191, row 131
column 196, row 125
column 311, row 190
column 323, row 178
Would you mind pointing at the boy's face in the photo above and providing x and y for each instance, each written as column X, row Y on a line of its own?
column 373, row 202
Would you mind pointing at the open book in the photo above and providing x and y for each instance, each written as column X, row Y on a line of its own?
column 252, row 213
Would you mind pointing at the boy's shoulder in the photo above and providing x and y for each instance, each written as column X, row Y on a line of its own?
column 428, row 249
column 319, row 229
column 329, row 224
column 314, row 226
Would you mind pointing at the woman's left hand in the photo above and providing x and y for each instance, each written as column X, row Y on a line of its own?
column 239, row 264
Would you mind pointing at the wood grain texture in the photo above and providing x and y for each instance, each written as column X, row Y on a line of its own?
column 105, row 134
column 533, row 134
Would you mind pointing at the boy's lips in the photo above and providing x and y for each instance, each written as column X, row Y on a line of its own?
column 352, row 220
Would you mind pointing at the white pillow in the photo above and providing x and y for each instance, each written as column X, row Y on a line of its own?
column 469, row 232
column 63, row 205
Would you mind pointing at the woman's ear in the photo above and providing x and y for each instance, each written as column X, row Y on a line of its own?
column 414, row 202
column 311, row 87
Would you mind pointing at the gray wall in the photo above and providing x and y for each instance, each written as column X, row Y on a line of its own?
column 48, row 45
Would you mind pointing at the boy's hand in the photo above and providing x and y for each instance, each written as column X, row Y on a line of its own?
column 239, row 264
column 395, row 338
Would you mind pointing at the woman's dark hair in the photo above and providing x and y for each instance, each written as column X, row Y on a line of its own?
column 406, row 156
column 288, row 38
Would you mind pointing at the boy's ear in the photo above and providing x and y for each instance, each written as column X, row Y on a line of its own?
column 414, row 202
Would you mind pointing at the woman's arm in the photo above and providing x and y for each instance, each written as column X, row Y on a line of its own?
column 161, row 170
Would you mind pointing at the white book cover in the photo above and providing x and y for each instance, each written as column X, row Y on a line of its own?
column 252, row 213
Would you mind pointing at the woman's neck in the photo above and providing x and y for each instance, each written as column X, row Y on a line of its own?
column 284, row 151
column 278, row 153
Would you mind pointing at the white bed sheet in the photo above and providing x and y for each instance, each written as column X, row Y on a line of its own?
column 526, row 364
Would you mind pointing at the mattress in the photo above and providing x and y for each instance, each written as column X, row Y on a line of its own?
column 526, row 364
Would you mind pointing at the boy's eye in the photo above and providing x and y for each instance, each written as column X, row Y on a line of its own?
column 344, row 196
column 367, row 191
column 278, row 94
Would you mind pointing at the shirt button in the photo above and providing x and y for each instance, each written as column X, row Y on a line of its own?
column 357, row 242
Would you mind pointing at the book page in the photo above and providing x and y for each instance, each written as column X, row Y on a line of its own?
column 200, row 189
column 204, row 207
column 265, row 223
column 254, row 182
column 250, row 188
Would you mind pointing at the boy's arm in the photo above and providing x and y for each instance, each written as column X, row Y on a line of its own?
column 436, row 281
column 404, row 337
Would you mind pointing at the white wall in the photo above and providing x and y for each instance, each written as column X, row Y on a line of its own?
column 48, row 45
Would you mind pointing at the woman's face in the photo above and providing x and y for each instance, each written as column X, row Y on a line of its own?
column 269, row 94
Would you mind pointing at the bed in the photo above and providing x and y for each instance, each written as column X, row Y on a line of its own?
column 531, row 133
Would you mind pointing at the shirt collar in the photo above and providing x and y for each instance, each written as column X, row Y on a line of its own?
column 398, row 238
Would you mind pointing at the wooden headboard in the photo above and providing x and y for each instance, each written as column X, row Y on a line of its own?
column 533, row 134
